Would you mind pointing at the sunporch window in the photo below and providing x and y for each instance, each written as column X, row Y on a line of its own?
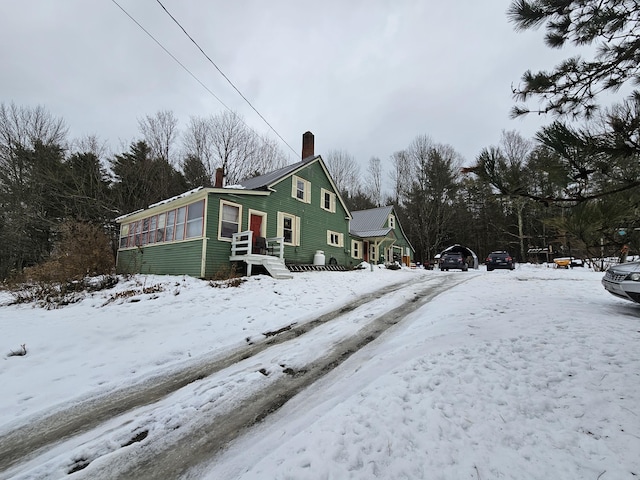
column 177, row 224
column 195, row 219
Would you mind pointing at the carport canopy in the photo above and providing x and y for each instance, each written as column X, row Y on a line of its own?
column 466, row 252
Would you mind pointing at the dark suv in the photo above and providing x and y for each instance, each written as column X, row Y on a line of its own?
column 500, row 260
column 453, row 260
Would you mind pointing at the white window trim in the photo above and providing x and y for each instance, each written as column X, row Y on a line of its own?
column 295, row 235
column 332, row 201
column 356, row 249
column 307, row 189
column 222, row 203
column 392, row 221
column 340, row 237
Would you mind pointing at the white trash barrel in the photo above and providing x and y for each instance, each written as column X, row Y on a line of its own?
column 318, row 258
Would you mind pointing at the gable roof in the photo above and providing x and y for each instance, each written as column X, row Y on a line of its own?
column 268, row 180
column 370, row 223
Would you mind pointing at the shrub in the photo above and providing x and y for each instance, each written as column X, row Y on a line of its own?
column 226, row 277
column 82, row 261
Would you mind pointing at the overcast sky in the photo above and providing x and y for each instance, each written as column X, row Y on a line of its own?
column 365, row 76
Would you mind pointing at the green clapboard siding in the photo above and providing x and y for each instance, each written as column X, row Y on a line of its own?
column 186, row 257
column 218, row 252
column 314, row 221
column 180, row 258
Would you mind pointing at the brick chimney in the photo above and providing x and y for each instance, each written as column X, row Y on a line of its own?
column 219, row 178
column 307, row 145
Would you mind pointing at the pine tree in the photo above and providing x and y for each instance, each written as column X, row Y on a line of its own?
column 572, row 87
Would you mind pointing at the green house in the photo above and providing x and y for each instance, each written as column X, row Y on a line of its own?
column 377, row 233
column 288, row 218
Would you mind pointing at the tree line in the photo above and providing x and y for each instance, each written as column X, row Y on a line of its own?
column 48, row 181
column 573, row 188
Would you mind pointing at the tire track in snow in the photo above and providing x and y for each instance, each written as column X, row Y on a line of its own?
column 27, row 440
column 175, row 458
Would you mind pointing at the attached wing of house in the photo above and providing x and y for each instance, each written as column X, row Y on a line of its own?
column 379, row 235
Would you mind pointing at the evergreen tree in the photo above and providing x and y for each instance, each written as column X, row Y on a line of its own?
column 428, row 204
column 572, row 87
column 195, row 173
column 88, row 197
column 32, row 197
column 141, row 180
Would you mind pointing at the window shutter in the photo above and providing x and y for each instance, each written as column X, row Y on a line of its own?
column 280, row 230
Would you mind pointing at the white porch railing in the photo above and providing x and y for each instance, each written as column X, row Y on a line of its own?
column 242, row 243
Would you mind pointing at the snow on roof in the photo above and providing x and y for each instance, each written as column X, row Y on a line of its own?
column 122, row 217
column 182, row 195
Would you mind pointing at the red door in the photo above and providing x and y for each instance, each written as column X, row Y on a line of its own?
column 255, row 225
column 365, row 251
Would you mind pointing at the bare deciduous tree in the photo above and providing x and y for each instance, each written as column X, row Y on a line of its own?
column 160, row 133
column 90, row 144
column 344, row 170
column 401, row 175
column 24, row 126
column 269, row 156
column 197, row 144
column 517, row 150
column 225, row 141
column 234, row 146
column 374, row 181
column 31, row 183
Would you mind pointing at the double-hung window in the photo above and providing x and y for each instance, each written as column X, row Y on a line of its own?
column 230, row 215
column 301, row 189
column 356, row 248
column 289, row 228
column 327, row 200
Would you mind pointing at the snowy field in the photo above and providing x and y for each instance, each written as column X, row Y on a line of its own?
column 525, row 374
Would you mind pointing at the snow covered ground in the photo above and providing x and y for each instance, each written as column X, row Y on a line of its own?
column 525, row 374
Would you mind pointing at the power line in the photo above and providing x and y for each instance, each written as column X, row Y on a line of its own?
column 170, row 54
column 194, row 76
column 222, row 73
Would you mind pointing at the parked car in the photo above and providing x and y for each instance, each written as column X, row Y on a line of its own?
column 623, row 281
column 500, row 259
column 453, row 260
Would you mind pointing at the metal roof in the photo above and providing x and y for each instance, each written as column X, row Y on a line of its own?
column 370, row 223
column 264, row 181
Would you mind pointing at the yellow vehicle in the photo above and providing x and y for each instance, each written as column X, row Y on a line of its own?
column 562, row 262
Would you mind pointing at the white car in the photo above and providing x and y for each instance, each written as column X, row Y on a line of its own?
column 623, row 281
